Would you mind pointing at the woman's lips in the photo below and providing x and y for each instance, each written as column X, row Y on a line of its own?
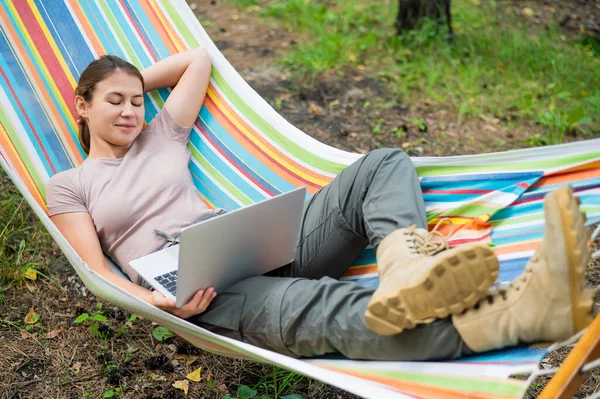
column 126, row 127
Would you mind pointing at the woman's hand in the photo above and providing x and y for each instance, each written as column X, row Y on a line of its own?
column 196, row 305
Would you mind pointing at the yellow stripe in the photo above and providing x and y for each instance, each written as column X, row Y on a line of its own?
column 166, row 24
column 27, row 176
column 272, row 154
column 53, row 45
column 48, row 79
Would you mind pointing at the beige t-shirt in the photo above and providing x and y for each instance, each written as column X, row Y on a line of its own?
column 150, row 188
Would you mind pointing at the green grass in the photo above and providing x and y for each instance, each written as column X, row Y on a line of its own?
column 22, row 237
column 495, row 67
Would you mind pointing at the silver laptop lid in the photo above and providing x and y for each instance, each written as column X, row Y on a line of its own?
column 239, row 244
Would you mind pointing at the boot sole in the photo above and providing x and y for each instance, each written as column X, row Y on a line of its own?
column 578, row 255
column 461, row 278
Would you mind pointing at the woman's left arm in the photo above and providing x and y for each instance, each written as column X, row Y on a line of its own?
column 189, row 73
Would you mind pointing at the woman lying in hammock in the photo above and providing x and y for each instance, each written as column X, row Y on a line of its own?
column 430, row 304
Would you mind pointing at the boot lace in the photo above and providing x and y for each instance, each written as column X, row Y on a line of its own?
column 502, row 292
column 434, row 242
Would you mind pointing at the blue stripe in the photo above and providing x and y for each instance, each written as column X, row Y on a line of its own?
column 518, row 176
column 152, row 34
column 68, row 38
column 142, row 59
column 11, row 67
column 230, row 146
column 101, row 28
column 136, row 20
column 226, row 171
column 210, row 190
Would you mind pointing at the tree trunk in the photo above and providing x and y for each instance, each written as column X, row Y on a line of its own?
column 412, row 12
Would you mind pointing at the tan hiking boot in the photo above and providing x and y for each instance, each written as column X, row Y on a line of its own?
column 417, row 284
column 548, row 302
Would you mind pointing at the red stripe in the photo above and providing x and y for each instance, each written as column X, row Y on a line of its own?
column 28, row 121
column 43, row 47
column 140, row 33
column 524, row 185
column 247, row 139
column 460, row 241
column 232, row 161
column 457, row 191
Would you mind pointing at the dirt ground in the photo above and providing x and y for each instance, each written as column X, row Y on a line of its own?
column 58, row 358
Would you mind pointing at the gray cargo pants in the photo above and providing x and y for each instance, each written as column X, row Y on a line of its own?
column 301, row 309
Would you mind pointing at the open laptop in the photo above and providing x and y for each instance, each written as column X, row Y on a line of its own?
column 226, row 249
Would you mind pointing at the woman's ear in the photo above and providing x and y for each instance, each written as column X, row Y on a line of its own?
column 81, row 107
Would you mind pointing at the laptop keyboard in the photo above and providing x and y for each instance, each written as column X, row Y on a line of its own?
column 169, row 281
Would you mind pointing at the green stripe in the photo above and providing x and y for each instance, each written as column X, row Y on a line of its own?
column 518, row 219
column 426, row 171
column 472, row 384
column 124, row 41
column 284, row 142
column 214, row 173
column 22, row 153
column 183, row 29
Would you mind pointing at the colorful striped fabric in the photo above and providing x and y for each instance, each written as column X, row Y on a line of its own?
column 243, row 151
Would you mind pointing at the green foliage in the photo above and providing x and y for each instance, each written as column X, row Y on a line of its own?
column 112, row 393
column 96, row 320
column 245, row 392
column 21, row 237
column 497, row 65
column 162, row 334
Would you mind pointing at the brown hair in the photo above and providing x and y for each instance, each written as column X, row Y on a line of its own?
column 97, row 71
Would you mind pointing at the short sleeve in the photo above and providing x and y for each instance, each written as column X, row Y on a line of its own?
column 63, row 194
column 164, row 125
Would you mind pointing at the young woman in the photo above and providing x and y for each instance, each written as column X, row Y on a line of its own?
column 134, row 194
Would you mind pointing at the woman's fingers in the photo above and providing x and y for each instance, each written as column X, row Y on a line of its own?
column 208, row 296
column 160, row 301
column 197, row 304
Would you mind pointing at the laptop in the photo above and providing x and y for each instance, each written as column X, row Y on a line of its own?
column 227, row 248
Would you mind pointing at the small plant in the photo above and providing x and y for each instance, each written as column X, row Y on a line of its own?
column 162, row 334
column 378, row 127
column 112, row 393
column 100, row 330
column 420, row 123
column 559, row 123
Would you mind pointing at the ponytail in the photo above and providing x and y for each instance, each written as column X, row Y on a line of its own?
column 84, row 136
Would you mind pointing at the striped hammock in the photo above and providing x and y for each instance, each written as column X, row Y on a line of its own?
column 243, row 152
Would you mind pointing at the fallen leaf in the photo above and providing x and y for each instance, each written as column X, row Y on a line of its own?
column 490, row 128
column 26, row 335
column 53, row 333
column 30, row 274
column 172, row 347
column 527, row 11
column 194, row 375
column 156, row 377
column 76, row 367
column 184, row 385
column 314, row 109
column 31, row 317
column 334, row 103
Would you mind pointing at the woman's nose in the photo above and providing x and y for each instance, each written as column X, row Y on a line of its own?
column 127, row 110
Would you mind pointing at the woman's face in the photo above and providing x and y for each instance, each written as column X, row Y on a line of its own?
column 116, row 113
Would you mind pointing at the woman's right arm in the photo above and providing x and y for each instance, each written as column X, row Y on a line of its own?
column 78, row 228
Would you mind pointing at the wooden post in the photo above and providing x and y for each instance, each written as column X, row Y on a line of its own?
column 569, row 377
